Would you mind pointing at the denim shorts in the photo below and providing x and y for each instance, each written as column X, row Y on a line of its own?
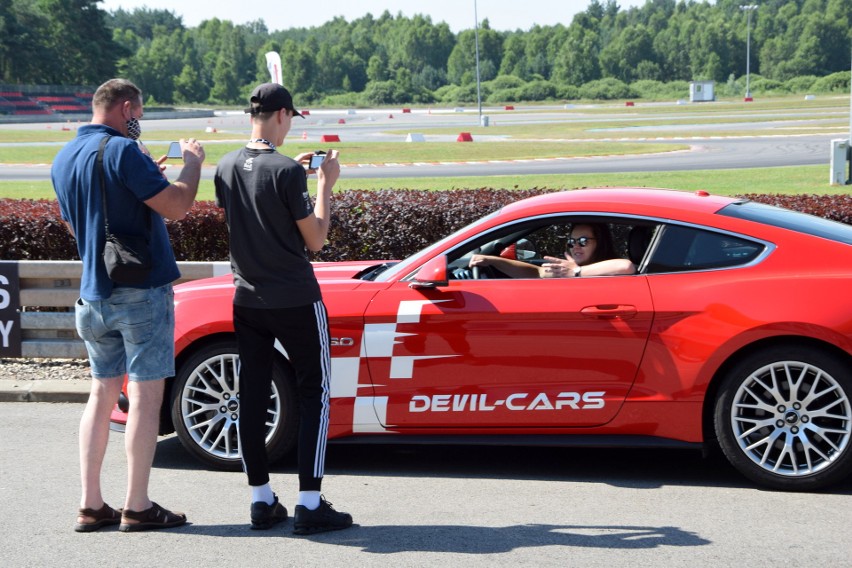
column 132, row 332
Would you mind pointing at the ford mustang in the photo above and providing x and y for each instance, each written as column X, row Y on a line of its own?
column 735, row 332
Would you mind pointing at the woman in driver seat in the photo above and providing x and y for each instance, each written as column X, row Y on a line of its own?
column 589, row 252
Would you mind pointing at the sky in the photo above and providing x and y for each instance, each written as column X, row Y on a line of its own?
column 502, row 15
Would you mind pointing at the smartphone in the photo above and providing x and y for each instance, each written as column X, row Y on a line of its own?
column 174, row 151
column 316, row 159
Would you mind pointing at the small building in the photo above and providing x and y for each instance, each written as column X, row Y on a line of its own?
column 702, row 91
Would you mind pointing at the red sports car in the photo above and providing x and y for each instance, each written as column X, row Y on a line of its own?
column 735, row 331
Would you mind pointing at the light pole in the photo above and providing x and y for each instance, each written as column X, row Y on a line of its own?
column 476, row 41
column 748, row 10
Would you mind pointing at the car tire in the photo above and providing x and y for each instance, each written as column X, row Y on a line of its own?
column 205, row 407
column 783, row 416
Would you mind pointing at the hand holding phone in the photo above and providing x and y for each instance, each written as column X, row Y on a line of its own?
column 317, row 159
column 174, row 151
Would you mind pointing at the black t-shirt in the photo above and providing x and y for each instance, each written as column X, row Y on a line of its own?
column 264, row 193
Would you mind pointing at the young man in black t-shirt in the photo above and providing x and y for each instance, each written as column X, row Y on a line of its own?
column 271, row 221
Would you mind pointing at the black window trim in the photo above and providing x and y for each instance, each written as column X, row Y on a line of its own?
column 660, row 223
column 768, row 248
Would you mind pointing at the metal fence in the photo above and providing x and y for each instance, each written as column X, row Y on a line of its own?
column 37, row 305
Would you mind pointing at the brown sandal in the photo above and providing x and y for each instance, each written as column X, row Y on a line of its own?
column 105, row 516
column 150, row 519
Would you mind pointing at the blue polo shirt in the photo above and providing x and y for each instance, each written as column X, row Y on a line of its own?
column 131, row 178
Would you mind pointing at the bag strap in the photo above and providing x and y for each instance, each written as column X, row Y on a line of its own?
column 100, row 166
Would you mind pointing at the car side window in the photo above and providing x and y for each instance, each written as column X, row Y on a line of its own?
column 549, row 240
column 681, row 249
column 532, row 240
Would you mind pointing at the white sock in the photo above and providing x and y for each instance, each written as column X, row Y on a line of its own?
column 262, row 493
column 309, row 499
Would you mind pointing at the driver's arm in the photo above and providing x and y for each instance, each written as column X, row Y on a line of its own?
column 564, row 267
column 509, row 267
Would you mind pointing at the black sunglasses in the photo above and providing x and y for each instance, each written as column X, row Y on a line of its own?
column 582, row 241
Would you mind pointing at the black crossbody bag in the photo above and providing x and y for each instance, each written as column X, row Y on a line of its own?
column 127, row 257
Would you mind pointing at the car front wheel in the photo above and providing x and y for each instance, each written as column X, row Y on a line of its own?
column 206, row 407
column 783, row 418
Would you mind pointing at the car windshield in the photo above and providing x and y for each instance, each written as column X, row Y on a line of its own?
column 787, row 219
column 393, row 271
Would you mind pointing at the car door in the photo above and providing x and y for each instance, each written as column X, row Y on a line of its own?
column 508, row 353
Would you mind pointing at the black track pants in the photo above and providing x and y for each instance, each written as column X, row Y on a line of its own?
column 304, row 334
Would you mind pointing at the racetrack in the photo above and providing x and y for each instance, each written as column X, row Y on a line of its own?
column 766, row 138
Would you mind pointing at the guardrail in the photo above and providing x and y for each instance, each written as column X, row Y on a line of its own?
column 28, row 284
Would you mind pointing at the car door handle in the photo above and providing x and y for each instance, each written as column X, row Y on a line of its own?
column 609, row 311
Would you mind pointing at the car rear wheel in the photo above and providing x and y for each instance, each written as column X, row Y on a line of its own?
column 206, row 407
column 783, row 418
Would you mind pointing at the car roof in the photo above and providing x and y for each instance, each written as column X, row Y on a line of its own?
column 641, row 201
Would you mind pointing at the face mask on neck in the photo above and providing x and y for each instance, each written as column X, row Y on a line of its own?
column 134, row 130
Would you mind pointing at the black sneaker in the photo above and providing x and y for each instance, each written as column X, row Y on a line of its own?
column 263, row 516
column 323, row 518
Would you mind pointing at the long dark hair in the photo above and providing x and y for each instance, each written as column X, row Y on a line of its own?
column 605, row 248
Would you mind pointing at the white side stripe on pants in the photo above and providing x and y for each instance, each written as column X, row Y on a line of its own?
column 325, row 361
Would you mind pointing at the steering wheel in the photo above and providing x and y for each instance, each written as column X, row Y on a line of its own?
column 475, row 271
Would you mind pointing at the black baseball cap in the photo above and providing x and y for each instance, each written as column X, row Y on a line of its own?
column 270, row 97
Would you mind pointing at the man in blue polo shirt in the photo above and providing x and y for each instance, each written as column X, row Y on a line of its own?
column 127, row 329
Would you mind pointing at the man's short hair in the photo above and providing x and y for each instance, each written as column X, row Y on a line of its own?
column 115, row 91
column 262, row 116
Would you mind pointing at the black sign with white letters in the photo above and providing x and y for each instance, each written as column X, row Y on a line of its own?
column 10, row 316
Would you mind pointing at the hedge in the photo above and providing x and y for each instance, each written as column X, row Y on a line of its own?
column 383, row 224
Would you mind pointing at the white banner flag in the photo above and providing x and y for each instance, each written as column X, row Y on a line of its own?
column 273, row 63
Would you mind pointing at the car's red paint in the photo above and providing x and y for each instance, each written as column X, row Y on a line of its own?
column 632, row 356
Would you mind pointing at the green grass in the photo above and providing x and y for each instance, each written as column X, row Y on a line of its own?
column 384, row 152
column 787, row 180
column 50, row 134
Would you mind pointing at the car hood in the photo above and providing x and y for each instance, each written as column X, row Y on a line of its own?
column 341, row 275
column 341, row 270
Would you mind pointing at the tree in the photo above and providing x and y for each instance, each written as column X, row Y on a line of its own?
column 142, row 21
column 577, row 59
column 299, row 67
column 514, row 56
column 416, row 43
column 671, row 49
column 20, row 30
column 538, row 53
column 158, row 64
column 461, row 65
column 72, row 42
column 377, row 69
column 77, row 43
column 622, row 56
column 189, row 86
column 227, row 76
column 354, row 72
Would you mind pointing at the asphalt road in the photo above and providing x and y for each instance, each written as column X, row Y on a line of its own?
column 423, row 506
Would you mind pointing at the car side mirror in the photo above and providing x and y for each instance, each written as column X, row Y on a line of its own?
column 432, row 274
